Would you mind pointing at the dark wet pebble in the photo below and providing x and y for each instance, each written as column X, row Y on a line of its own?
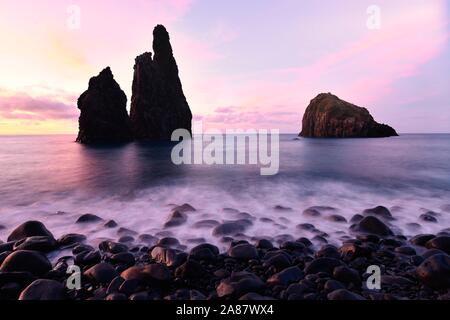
column 356, row 218
column 110, row 224
column 278, row 261
column 306, row 226
column 140, row 296
column 29, row 229
column 311, row 212
column 184, row 208
column 263, row 244
column 114, row 285
column 252, row 296
column 26, row 261
column 168, row 256
column 205, row 251
column 149, row 273
column 101, row 273
column 147, row 239
column 282, row 208
column 231, row 227
column 82, row 248
column 285, row 277
column 346, row 275
column 328, row 251
column 112, row 247
column 124, row 258
column 240, row 283
column 71, row 239
column 332, row 285
column 87, row 258
column 434, row 272
column 319, row 239
column 206, row 224
column 243, row 251
column 196, row 240
column 88, row 218
column 372, row 225
column 44, row 289
column 406, row 250
column 116, row 297
column 305, row 241
column 176, row 219
column 421, row 239
column 126, row 239
column 337, row 218
column 126, row 232
column 440, row 243
column 343, row 294
column 7, row 246
column 129, row 287
column 322, row 265
column 431, row 252
column 426, row 217
column 380, row 211
column 190, row 269
column 36, row 243
column 186, row 295
column 168, row 242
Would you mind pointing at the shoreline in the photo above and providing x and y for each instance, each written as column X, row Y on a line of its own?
column 416, row 268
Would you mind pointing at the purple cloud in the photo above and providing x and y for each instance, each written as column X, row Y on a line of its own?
column 23, row 106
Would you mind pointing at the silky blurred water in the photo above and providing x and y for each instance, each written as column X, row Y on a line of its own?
column 136, row 184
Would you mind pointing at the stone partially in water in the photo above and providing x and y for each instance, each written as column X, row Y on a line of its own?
column 103, row 116
column 88, row 218
column 231, row 227
column 36, row 243
column 372, row 225
column 176, row 219
column 243, row 252
column 327, row 116
column 158, row 104
column 29, row 229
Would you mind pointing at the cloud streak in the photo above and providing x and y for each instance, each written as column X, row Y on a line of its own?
column 42, row 108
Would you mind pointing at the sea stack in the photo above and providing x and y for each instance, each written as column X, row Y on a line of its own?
column 158, row 104
column 327, row 116
column 104, row 116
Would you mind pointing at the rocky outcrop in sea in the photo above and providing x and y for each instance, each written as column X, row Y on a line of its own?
column 103, row 116
column 158, row 104
column 327, row 116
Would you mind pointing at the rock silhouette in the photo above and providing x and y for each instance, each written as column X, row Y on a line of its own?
column 103, row 115
column 327, row 116
column 158, row 104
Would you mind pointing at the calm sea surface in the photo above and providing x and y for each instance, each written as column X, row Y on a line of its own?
column 54, row 180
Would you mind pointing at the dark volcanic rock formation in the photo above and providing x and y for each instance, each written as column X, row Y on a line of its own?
column 327, row 116
column 103, row 115
column 158, row 104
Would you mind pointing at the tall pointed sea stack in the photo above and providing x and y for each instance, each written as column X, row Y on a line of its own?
column 104, row 116
column 327, row 116
column 158, row 104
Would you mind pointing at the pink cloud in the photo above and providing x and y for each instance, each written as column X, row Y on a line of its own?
column 23, row 106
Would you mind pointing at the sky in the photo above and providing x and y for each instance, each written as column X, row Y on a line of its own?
column 251, row 64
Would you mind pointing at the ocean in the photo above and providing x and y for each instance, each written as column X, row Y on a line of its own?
column 54, row 180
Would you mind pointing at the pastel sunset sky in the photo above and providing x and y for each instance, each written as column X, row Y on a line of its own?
column 243, row 64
